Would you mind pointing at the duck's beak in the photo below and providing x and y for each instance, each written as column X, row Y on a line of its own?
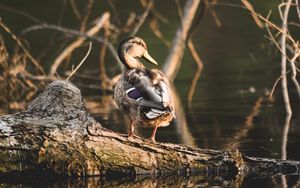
column 149, row 58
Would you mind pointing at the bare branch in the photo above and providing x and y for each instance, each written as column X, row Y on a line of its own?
column 214, row 15
column 294, row 72
column 283, row 58
column 274, row 86
column 254, row 16
column 272, row 38
column 179, row 10
column 76, row 33
column 86, row 15
column 13, row 36
column 68, row 50
column 81, row 62
column 75, row 9
column 155, row 29
column 174, row 58
column 283, row 31
column 142, row 18
column 24, row 14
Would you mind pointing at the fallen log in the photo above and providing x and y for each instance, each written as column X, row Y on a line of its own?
column 57, row 135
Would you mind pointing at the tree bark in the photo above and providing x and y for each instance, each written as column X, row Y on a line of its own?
column 56, row 134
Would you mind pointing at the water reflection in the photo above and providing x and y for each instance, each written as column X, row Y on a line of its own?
column 155, row 181
column 139, row 182
column 275, row 181
column 284, row 146
column 285, row 137
column 234, row 141
column 181, row 122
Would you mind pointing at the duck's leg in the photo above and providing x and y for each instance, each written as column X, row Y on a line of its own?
column 152, row 138
column 131, row 129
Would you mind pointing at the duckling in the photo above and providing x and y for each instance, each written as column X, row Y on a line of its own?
column 143, row 94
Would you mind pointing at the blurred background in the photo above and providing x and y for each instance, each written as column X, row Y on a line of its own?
column 225, row 105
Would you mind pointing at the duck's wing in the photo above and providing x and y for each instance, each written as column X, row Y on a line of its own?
column 151, row 89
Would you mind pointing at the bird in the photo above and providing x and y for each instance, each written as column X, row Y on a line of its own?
column 141, row 93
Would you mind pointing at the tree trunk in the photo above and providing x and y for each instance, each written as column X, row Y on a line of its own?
column 56, row 134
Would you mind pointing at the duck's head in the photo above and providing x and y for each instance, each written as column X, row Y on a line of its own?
column 131, row 49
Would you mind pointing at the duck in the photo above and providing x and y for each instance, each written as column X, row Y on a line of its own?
column 142, row 94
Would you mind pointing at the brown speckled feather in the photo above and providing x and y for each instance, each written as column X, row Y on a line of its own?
column 154, row 95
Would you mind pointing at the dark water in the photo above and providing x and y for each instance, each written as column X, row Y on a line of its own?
column 230, row 107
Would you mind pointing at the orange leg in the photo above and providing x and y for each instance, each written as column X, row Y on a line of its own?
column 152, row 138
column 131, row 129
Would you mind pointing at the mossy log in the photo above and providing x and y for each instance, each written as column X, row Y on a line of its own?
column 56, row 134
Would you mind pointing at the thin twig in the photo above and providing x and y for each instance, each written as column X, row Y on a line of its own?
column 142, row 18
column 102, row 54
column 274, row 86
column 274, row 40
column 214, row 15
column 294, row 72
column 105, row 80
column 194, row 53
column 261, row 17
column 294, row 24
column 154, row 13
column 81, row 62
column 24, row 14
column 75, row 33
column 282, row 48
column 254, row 16
column 155, row 29
column 276, row 27
column 159, row 16
column 75, row 9
column 70, row 48
column 86, row 15
column 22, row 46
column 114, row 10
column 179, row 10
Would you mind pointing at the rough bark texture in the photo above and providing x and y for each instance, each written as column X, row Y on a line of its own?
column 56, row 134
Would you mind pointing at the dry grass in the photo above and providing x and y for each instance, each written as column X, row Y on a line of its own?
column 14, row 87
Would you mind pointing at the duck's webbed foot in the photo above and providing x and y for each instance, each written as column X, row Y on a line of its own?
column 132, row 135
